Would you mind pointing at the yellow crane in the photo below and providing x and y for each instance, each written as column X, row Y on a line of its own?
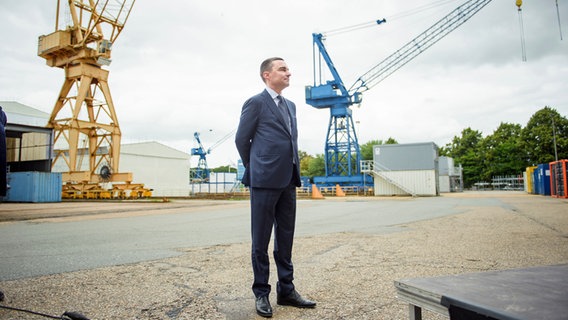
column 84, row 110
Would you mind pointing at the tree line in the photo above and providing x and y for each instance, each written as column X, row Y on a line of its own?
column 509, row 150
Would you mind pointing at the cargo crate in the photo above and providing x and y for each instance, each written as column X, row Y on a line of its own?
column 558, row 179
column 33, row 186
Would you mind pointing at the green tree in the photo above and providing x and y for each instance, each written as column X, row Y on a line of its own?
column 305, row 160
column 224, row 169
column 511, row 148
column 465, row 151
column 367, row 148
column 545, row 130
column 503, row 152
column 391, row 140
column 315, row 166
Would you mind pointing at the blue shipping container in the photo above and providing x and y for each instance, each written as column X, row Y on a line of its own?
column 32, row 186
column 542, row 179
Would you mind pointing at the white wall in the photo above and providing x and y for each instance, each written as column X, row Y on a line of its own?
column 445, row 184
column 421, row 182
column 167, row 175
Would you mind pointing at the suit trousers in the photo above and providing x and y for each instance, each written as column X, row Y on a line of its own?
column 273, row 209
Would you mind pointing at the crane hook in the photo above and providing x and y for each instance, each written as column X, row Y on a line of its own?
column 519, row 3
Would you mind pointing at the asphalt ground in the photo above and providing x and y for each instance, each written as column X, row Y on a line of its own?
column 349, row 274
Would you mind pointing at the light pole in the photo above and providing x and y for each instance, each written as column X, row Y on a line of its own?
column 554, row 138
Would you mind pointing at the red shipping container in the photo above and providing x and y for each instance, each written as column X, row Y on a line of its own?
column 558, row 179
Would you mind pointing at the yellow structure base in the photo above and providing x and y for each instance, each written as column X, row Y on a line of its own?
column 95, row 191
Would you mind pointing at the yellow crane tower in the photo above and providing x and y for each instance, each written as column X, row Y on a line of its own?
column 84, row 110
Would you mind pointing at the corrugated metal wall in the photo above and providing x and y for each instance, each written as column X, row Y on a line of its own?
column 445, row 185
column 529, row 182
column 541, row 178
column 422, row 182
column 410, row 156
column 403, row 169
column 33, row 186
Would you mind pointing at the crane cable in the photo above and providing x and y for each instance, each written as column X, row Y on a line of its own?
column 354, row 27
column 393, row 17
column 519, row 3
column 523, row 50
column 559, row 24
column 420, row 9
column 227, row 136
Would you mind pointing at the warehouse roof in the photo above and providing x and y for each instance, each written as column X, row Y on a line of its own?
column 152, row 148
column 18, row 113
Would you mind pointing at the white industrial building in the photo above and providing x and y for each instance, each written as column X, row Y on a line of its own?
column 406, row 169
column 450, row 176
column 163, row 169
column 413, row 169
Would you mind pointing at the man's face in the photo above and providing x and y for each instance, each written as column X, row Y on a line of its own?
column 279, row 77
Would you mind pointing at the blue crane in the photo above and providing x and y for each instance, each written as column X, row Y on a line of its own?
column 342, row 152
column 201, row 172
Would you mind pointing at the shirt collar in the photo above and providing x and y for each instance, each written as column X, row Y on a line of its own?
column 272, row 93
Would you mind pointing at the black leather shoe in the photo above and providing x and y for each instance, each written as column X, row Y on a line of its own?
column 294, row 299
column 263, row 307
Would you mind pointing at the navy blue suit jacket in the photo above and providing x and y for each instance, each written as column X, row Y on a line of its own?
column 266, row 146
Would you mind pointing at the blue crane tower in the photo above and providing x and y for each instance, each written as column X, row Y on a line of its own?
column 342, row 152
column 201, row 172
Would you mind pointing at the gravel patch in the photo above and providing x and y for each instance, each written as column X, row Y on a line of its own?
column 350, row 275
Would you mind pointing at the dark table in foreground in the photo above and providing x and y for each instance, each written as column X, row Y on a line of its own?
column 518, row 294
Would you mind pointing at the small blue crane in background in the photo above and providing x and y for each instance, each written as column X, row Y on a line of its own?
column 201, row 172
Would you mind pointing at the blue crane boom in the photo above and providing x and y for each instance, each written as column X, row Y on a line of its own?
column 418, row 45
column 342, row 152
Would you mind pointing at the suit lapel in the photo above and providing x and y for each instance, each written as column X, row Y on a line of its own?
column 274, row 109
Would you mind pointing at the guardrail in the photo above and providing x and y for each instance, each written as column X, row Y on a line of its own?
column 375, row 168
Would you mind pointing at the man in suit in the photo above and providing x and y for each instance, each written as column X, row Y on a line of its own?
column 267, row 141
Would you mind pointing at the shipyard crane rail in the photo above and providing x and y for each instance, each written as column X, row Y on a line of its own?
column 342, row 152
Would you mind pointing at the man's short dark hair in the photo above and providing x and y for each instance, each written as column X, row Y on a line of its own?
column 266, row 65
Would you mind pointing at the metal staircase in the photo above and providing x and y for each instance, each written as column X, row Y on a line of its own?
column 378, row 170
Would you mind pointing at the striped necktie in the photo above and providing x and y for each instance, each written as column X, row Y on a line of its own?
column 284, row 110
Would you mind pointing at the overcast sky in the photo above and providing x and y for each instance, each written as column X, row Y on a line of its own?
column 182, row 66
